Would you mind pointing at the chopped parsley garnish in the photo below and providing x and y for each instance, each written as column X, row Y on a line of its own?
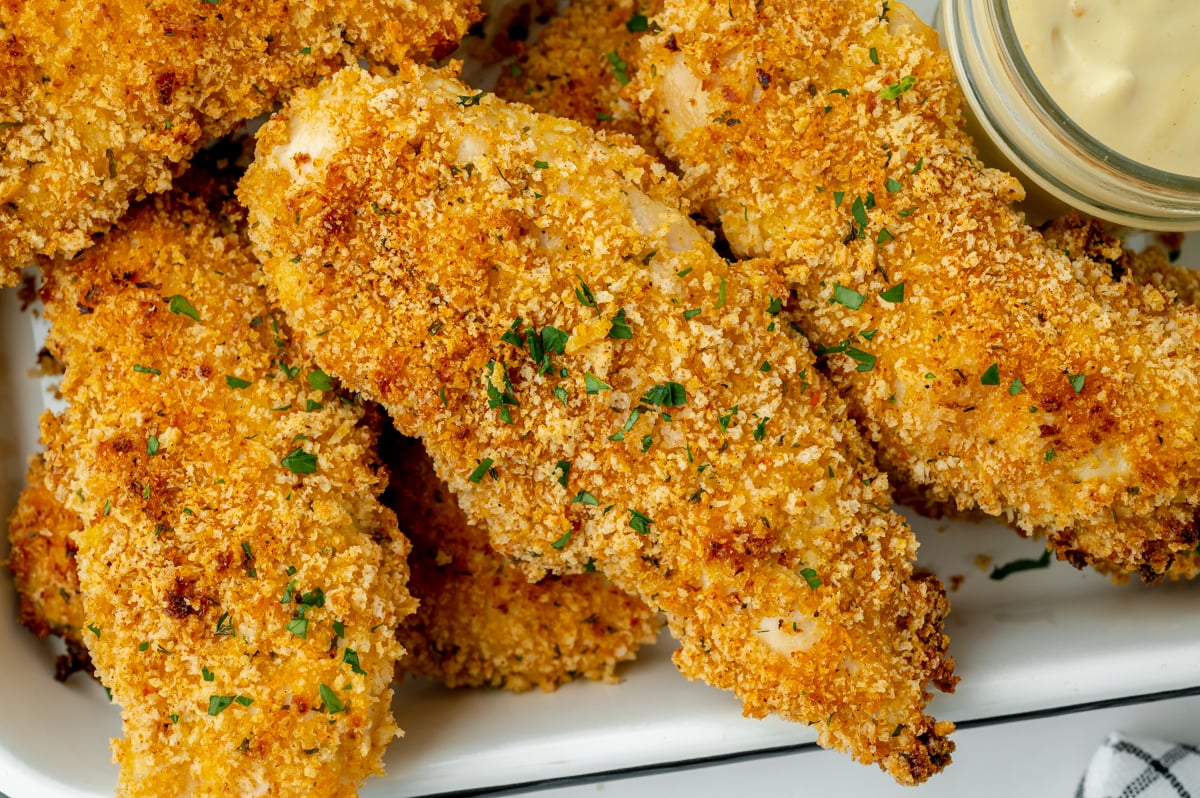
column 501, row 399
column 564, row 471
column 584, row 294
column 560, row 393
column 841, row 92
column 640, row 522
column 865, row 360
column 484, row 466
column 152, row 445
column 859, row 211
column 847, row 297
column 620, row 329
column 469, row 100
column 896, row 89
column 561, row 543
column 721, row 294
column 647, row 442
column 638, row 23
column 236, row 383
column 667, row 394
column 1016, row 566
column 178, row 304
column 140, row 369
column 299, row 461
column 319, row 381
column 541, row 165
column 991, row 376
column 895, row 294
column 594, row 384
column 350, row 657
column 583, row 497
column 310, row 406
column 244, row 700
column 298, row 627
column 688, row 315
column 1016, row 387
column 206, row 674
column 766, row 366
column 775, row 306
column 874, row 54
column 838, row 196
column 224, row 626
column 724, row 419
column 339, row 628
column 893, row 185
column 810, row 576
column 760, row 431
column 332, row 704
column 94, row 629
column 1050, row 455
column 619, row 66
column 144, row 645
column 1077, row 381
column 885, row 235
column 634, row 415
column 248, row 560
column 920, row 165
column 219, row 703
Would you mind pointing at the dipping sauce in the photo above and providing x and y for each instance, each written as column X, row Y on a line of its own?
column 1125, row 71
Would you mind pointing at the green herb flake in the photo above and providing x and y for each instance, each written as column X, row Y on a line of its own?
column 179, row 305
column 224, row 626
column 667, row 394
column 332, row 704
column 561, row 543
column 1016, row 566
column 144, row 645
column 991, row 376
column 94, row 629
column 688, row 315
column 248, row 560
column 760, row 430
column 152, row 445
column 810, row 576
column 350, row 657
column 639, row 521
column 206, row 674
column 1050, row 455
column 583, row 497
column 885, row 235
column 339, row 628
column 619, row 66
column 563, row 468
column 838, row 196
column 484, row 466
column 766, row 366
column 620, row 329
column 874, row 54
column 638, row 23
column 895, row 294
column 236, row 383
column 1016, row 387
column 584, row 294
column 1077, row 381
column 319, row 381
column 594, row 384
column 859, row 211
column 299, row 461
column 896, row 89
column 218, row 704
column 893, row 185
column 466, row 100
column 865, row 360
column 244, row 701
column 541, row 165
column 298, row 627
column 140, row 369
column 847, row 297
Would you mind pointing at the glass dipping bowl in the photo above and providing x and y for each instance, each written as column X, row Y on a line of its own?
column 1041, row 143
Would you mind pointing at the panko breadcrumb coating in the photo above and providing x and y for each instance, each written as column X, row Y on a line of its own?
column 579, row 63
column 241, row 581
column 481, row 621
column 104, row 102
column 602, row 390
column 987, row 365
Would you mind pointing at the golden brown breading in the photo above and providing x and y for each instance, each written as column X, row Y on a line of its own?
column 986, row 365
column 42, row 560
column 601, row 389
column 101, row 102
column 579, row 63
column 241, row 581
column 481, row 621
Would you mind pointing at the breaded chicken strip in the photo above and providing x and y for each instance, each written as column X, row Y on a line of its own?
column 602, row 390
column 579, row 63
column 988, row 366
column 104, row 102
column 241, row 581
column 481, row 621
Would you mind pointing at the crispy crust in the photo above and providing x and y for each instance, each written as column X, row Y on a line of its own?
column 193, row 520
column 578, row 65
column 104, row 102
column 481, row 621
column 405, row 223
column 826, row 139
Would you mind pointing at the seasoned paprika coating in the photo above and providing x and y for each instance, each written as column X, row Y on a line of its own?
column 602, row 390
column 241, row 581
column 987, row 366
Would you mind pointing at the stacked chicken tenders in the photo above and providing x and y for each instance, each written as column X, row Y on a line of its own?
column 610, row 427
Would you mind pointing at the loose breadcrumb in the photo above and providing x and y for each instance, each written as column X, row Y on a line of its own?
column 602, row 390
column 481, row 621
column 104, row 102
column 988, row 366
column 241, row 581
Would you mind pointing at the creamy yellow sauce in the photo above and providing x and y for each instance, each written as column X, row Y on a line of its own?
column 1125, row 71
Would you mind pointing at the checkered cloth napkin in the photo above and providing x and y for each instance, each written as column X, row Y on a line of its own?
column 1130, row 767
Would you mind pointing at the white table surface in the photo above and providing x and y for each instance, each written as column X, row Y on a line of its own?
column 1032, row 758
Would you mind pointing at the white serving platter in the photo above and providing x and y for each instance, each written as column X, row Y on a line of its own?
column 1041, row 641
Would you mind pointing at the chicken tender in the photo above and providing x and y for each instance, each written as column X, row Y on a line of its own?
column 481, row 622
column 241, row 581
column 579, row 63
column 603, row 391
column 989, row 367
column 104, row 102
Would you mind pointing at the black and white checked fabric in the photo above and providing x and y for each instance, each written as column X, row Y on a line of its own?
column 1128, row 767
